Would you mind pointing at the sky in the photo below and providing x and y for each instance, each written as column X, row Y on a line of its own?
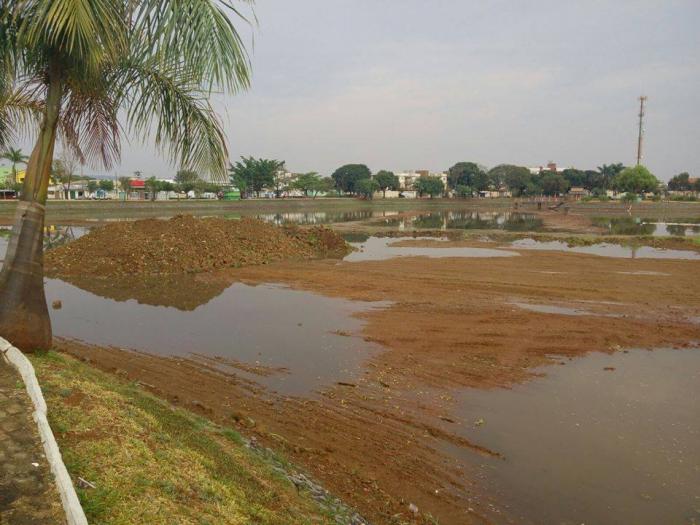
column 411, row 84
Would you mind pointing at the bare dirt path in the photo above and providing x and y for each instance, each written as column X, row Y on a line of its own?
column 27, row 493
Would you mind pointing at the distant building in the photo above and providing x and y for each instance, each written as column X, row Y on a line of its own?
column 550, row 167
column 408, row 178
column 578, row 193
column 6, row 175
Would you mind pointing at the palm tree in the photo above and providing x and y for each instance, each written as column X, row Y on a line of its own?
column 15, row 156
column 87, row 70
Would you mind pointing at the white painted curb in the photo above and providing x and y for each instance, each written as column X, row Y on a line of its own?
column 71, row 505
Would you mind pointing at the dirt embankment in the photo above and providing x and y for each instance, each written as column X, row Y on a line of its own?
column 453, row 322
column 185, row 244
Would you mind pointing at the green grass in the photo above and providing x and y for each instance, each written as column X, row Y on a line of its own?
column 152, row 463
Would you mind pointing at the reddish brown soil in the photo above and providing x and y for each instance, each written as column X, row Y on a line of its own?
column 451, row 324
column 185, row 244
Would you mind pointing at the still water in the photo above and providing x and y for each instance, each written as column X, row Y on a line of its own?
column 380, row 248
column 466, row 220
column 301, row 341
column 605, row 439
column 642, row 226
column 608, row 250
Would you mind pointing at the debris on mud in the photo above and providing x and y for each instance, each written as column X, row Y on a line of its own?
column 185, row 244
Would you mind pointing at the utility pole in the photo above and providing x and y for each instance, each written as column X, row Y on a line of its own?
column 642, row 100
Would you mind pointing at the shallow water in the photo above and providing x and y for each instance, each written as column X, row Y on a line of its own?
column 608, row 250
column 644, row 226
column 54, row 235
column 322, row 217
column 588, row 445
column 380, row 248
column 467, row 220
column 267, row 326
column 550, row 309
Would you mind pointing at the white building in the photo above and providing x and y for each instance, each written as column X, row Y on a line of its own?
column 407, row 178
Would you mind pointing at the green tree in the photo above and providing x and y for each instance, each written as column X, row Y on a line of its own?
column 696, row 184
column 346, row 177
column 106, row 185
column 387, row 181
column 307, row 182
column 553, row 184
column 87, row 70
column 185, row 180
column 366, row 187
column 467, row 174
column 516, row 178
column 15, row 156
column 281, row 181
column 153, row 187
column 574, row 177
column 463, row 191
column 125, row 185
column 92, row 185
column 637, row 179
column 253, row 175
column 429, row 186
column 326, row 184
column 680, row 182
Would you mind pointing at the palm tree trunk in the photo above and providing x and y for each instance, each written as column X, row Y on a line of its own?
column 24, row 316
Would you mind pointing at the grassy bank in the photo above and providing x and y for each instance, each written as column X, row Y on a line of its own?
column 152, row 463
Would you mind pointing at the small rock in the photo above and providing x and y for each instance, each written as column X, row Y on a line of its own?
column 412, row 508
column 57, row 305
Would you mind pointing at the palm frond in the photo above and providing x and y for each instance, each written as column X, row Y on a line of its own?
column 201, row 34
column 20, row 111
column 167, row 101
column 89, row 123
column 79, row 31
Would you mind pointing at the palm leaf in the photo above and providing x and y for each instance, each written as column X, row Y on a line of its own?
column 165, row 103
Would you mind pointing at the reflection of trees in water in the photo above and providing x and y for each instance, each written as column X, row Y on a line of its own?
column 316, row 217
column 500, row 221
column 625, row 225
column 676, row 229
column 58, row 235
column 184, row 292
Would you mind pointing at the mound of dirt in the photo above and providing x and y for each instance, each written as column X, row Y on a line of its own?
column 185, row 244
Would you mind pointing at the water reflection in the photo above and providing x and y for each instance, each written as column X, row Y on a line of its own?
column 468, row 220
column 54, row 235
column 642, row 226
column 322, row 217
column 381, row 248
column 606, row 439
column 608, row 250
column 306, row 336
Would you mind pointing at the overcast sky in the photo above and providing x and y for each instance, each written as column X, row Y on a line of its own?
column 411, row 84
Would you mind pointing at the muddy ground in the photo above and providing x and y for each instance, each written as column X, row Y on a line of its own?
column 452, row 323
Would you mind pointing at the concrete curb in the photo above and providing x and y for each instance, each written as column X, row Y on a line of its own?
column 71, row 505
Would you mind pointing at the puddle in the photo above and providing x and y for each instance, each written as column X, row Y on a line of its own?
column 264, row 326
column 54, row 235
column 467, row 220
column 608, row 250
column 550, row 309
column 643, row 272
column 322, row 217
column 642, row 226
column 379, row 248
column 605, row 439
